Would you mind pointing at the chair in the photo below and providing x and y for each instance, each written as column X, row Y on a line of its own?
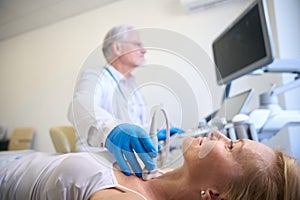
column 21, row 139
column 63, row 138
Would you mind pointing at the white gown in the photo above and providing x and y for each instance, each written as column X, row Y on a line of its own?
column 51, row 176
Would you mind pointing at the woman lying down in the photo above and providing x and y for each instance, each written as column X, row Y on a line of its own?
column 214, row 168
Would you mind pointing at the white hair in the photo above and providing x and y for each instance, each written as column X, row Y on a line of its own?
column 115, row 34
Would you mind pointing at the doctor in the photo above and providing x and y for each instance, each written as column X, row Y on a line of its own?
column 107, row 108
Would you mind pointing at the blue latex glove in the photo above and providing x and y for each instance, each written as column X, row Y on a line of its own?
column 161, row 134
column 125, row 138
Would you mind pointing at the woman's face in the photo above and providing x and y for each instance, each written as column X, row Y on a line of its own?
column 217, row 159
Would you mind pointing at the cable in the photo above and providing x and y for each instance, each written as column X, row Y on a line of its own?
column 149, row 174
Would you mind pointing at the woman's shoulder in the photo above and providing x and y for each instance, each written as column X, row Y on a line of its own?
column 115, row 194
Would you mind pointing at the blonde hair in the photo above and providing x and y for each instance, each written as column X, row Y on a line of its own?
column 278, row 181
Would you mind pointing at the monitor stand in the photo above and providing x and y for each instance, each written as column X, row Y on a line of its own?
column 275, row 117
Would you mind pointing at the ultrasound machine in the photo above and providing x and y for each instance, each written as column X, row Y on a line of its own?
column 246, row 47
column 243, row 48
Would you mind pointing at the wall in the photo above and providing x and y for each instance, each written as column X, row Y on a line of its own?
column 39, row 69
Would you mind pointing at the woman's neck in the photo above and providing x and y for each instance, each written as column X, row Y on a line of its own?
column 171, row 185
column 132, row 182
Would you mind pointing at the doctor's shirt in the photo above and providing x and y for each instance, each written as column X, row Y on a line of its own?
column 103, row 98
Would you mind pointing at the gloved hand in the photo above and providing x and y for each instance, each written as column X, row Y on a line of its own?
column 125, row 138
column 161, row 134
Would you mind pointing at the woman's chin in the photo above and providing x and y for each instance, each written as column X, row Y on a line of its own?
column 187, row 142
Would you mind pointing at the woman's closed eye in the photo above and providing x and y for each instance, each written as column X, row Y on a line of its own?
column 230, row 145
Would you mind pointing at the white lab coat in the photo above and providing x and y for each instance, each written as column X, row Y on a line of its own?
column 101, row 101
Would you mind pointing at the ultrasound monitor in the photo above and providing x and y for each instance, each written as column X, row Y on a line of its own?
column 234, row 105
column 244, row 46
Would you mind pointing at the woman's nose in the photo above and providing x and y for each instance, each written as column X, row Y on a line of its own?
column 216, row 135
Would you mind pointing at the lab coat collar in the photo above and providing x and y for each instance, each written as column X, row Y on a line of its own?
column 119, row 77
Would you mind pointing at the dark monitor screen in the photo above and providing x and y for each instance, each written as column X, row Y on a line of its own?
column 244, row 46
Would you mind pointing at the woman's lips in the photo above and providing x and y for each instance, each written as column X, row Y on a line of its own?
column 200, row 140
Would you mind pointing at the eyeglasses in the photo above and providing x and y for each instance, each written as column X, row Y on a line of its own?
column 135, row 44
